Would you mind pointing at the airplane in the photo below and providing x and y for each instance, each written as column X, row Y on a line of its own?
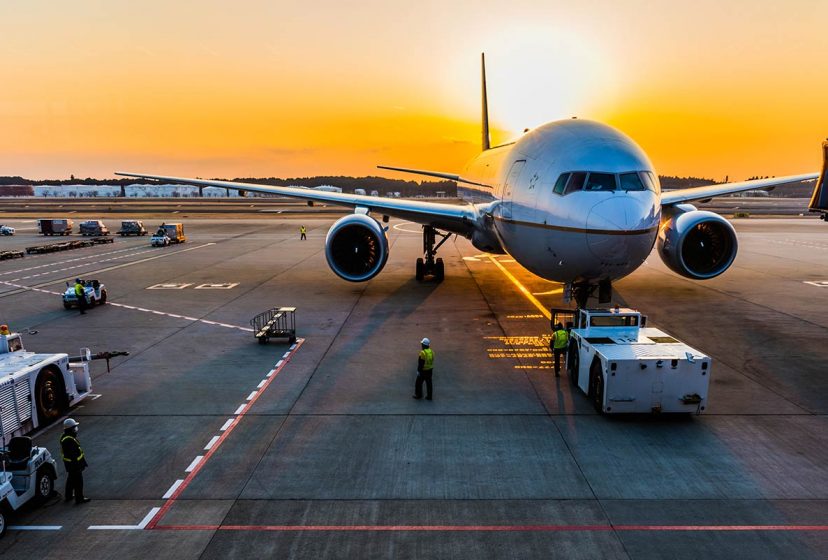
column 573, row 201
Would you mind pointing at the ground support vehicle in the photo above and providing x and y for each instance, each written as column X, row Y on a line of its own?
column 132, row 227
column 6, row 230
column 102, row 240
column 93, row 228
column 94, row 291
column 159, row 240
column 624, row 366
column 278, row 322
column 174, row 232
column 55, row 226
column 36, row 389
column 28, row 473
column 11, row 255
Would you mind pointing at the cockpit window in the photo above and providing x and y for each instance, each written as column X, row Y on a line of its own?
column 560, row 184
column 606, row 182
column 600, row 182
column 576, row 182
column 650, row 180
column 630, row 182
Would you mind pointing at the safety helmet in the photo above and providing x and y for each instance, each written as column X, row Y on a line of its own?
column 69, row 423
column 425, row 342
column 77, row 280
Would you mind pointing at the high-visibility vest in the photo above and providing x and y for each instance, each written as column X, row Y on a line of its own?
column 66, row 459
column 561, row 339
column 79, row 289
column 427, row 355
column 302, row 229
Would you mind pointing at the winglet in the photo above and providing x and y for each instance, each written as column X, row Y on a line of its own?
column 486, row 138
column 819, row 200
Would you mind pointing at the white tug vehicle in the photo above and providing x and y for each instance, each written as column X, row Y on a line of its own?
column 624, row 366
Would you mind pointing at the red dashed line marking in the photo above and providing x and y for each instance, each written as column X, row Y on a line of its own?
column 214, row 444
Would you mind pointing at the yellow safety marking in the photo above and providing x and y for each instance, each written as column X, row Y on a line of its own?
column 549, row 293
column 522, row 289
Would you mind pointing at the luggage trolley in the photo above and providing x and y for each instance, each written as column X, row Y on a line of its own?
column 275, row 322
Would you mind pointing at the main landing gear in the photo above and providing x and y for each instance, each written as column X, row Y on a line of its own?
column 429, row 266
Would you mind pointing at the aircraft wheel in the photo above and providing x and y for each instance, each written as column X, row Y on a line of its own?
column 420, row 274
column 2, row 519
column 440, row 270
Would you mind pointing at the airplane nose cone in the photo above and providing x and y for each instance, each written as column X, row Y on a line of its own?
column 621, row 229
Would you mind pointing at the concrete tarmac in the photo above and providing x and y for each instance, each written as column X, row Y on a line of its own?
column 319, row 451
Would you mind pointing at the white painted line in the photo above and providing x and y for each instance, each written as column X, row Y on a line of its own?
column 94, row 396
column 209, row 322
column 211, row 443
column 251, row 395
column 270, row 373
column 278, row 364
column 293, row 347
column 35, row 527
column 148, row 517
column 239, row 410
column 227, row 424
column 159, row 312
column 261, row 383
column 195, row 462
column 172, row 489
column 286, row 356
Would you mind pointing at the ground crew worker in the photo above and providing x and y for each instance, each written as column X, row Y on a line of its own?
column 425, row 367
column 73, row 461
column 80, row 294
column 559, row 343
column 302, row 232
column 4, row 329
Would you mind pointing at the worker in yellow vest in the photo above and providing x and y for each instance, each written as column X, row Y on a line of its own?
column 559, row 343
column 302, row 232
column 80, row 294
column 425, row 367
column 73, row 461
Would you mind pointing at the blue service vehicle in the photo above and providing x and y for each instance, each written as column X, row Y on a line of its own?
column 94, row 291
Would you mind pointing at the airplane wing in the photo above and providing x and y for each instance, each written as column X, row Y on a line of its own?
column 701, row 193
column 438, row 174
column 448, row 217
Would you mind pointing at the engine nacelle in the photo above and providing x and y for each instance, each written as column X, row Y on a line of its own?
column 697, row 244
column 356, row 247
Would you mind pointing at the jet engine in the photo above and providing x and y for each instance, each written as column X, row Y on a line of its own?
column 696, row 244
column 356, row 247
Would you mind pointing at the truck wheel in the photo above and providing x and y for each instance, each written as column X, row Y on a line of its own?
column 573, row 363
column 67, row 305
column 50, row 396
column 103, row 297
column 45, row 485
column 596, row 375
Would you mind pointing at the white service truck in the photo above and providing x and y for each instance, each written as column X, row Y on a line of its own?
column 624, row 366
column 36, row 389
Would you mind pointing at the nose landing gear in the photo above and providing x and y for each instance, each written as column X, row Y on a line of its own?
column 582, row 291
column 429, row 266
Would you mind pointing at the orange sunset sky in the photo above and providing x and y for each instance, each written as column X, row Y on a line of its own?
column 296, row 88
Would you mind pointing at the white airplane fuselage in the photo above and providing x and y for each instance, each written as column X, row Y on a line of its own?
column 569, row 236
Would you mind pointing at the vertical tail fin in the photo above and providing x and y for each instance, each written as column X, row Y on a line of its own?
column 486, row 139
column 819, row 200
